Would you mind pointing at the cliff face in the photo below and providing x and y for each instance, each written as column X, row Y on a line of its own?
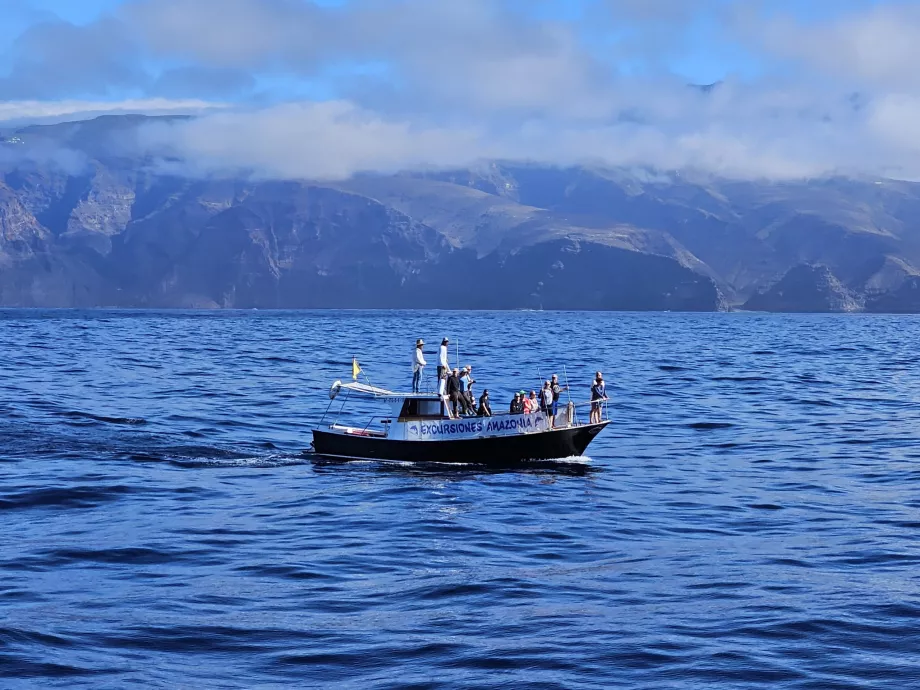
column 83, row 222
column 806, row 288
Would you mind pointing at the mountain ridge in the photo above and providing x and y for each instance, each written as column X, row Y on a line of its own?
column 87, row 218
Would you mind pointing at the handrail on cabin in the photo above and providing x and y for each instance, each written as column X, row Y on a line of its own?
column 387, row 419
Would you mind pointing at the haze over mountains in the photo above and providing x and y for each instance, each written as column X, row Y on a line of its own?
column 88, row 217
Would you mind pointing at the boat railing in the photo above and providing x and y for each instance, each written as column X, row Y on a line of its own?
column 386, row 420
column 561, row 407
column 383, row 419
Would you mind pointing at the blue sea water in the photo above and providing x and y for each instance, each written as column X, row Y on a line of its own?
column 749, row 520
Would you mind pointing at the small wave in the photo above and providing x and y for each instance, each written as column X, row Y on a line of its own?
column 15, row 667
column 132, row 421
column 64, row 497
column 273, row 460
column 740, row 378
column 708, row 426
column 285, row 572
column 126, row 555
column 671, row 367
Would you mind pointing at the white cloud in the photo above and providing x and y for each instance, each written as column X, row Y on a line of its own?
column 895, row 119
column 453, row 81
column 334, row 140
column 312, row 140
column 877, row 48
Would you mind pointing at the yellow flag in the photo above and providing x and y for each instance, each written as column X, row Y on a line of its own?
column 355, row 369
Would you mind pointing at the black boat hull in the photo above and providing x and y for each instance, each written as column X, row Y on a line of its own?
column 492, row 450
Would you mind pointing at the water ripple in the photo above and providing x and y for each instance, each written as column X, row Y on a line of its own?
column 748, row 521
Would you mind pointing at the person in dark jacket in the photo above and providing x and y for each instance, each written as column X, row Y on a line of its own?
column 453, row 390
column 484, row 409
column 517, row 405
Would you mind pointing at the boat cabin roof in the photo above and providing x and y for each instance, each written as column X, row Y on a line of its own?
column 406, row 406
column 377, row 392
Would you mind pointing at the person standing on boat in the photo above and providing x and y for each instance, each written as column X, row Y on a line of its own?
column 485, row 409
column 443, row 373
column 453, row 390
column 557, row 393
column 517, row 407
column 443, row 366
column 598, row 393
column 464, row 390
column 546, row 398
column 418, row 364
column 467, row 380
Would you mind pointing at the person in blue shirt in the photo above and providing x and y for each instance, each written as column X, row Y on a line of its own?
column 598, row 393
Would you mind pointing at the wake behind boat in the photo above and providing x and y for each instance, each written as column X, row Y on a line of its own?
column 421, row 427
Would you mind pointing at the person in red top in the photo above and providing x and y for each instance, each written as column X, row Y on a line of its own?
column 530, row 404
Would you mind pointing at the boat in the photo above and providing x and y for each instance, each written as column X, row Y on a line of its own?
column 420, row 428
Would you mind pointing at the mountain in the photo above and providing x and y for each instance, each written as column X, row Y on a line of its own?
column 806, row 288
column 86, row 219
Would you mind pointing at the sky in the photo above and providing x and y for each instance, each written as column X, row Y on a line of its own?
column 327, row 88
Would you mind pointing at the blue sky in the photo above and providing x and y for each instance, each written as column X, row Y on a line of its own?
column 298, row 87
column 698, row 48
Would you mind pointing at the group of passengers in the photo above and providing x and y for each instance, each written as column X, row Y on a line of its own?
column 546, row 401
column 456, row 387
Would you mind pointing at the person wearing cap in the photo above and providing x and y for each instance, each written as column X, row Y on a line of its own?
column 443, row 366
column 557, row 393
column 484, row 409
column 466, row 400
column 418, row 364
column 453, row 391
column 598, row 393
column 517, row 405
column 466, row 378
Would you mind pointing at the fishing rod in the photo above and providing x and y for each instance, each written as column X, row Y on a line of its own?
column 568, row 393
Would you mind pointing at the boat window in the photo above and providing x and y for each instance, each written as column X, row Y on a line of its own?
column 421, row 408
column 429, row 408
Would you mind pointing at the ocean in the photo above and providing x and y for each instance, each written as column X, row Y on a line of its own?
column 750, row 519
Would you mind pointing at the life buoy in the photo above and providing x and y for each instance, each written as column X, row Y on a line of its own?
column 334, row 391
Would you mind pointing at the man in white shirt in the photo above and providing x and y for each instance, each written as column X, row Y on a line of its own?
column 443, row 367
column 418, row 364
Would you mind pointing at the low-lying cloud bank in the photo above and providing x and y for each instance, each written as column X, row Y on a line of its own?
column 400, row 84
column 333, row 140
